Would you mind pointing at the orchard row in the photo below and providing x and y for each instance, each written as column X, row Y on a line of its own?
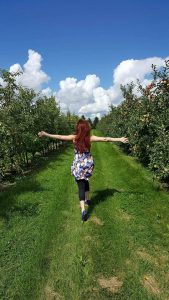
column 143, row 117
column 23, row 113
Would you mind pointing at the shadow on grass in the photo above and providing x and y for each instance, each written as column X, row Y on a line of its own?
column 46, row 161
column 9, row 205
column 101, row 196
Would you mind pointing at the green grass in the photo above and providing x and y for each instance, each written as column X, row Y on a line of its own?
column 46, row 252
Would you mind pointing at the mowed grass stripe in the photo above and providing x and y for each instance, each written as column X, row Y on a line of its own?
column 133, row 240
column 71, row 268
column 114, row 248
column 29, row 223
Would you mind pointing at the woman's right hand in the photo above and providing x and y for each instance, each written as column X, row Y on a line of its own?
column 41, row 133
column 124, row 140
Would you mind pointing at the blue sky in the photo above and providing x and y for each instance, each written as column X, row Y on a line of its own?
column 77, row 38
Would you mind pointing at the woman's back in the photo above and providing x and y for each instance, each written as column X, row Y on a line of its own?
column 83, row 163
column 85, row 149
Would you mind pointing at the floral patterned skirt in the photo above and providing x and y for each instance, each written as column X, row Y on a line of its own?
column 83, row 165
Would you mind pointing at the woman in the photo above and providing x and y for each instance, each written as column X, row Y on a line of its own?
column 83, row 163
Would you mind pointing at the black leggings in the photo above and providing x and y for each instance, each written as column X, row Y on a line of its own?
column 83, row 186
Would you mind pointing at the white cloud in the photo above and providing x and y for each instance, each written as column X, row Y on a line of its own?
column 132, row 69
column 127, row 71
column 2, row 83
column 63, row 107
column 47, row 92
column 15, row 68
column 33, row 76
column 92, row 116
column 86, row 96
column 76, row 93
column 101, row 102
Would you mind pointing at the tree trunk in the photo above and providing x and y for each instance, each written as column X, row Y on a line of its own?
column 26, row 155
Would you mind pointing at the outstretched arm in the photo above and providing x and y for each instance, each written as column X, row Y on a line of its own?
column 95, row 138
column 57, row 136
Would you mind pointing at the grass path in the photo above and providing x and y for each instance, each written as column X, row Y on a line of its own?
column 121, row 252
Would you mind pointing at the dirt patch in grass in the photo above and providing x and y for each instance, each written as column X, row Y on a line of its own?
column 50, row 294
column 165, row 275
column 88, row 238
column 147, row 257
column 123, row 215
column 128, row 262
column 163, row 259
column 159, row 260
column 150, row 284
column 112, row 284
column 96, row 220
column 162, row 255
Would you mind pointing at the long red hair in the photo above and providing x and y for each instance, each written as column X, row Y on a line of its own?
column 82, row 139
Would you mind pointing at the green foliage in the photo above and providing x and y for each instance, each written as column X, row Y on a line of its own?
column 144, row 119
column 23, row 113
column 159, row 156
